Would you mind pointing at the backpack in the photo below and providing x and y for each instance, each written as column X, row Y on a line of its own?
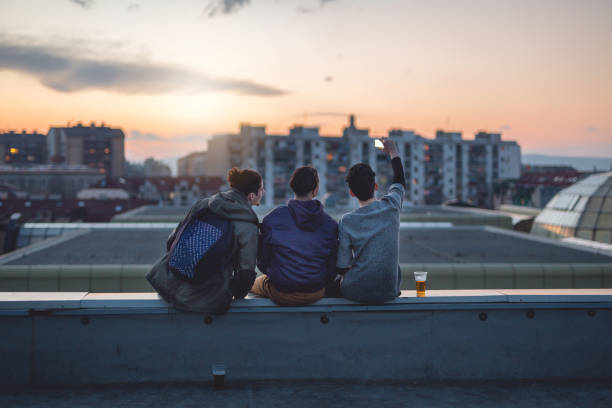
column 201, row 246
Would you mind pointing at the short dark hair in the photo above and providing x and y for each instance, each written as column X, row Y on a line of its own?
column 246, row 181
column 361, row 181
column 304, row 180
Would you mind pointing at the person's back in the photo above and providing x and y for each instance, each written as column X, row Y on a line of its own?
column 298, row 246
column 369, row 236
column 235, row 278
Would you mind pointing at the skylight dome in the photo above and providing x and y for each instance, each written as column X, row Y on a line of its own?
column 583, row 210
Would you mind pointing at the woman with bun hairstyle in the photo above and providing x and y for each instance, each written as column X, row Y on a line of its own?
column 215, row 293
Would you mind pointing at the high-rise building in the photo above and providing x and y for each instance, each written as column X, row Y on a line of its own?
column 437, row 170
column 194, row 164
column 98, row 147
column 23, row 148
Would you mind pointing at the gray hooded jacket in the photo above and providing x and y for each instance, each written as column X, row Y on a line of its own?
column 212, row 295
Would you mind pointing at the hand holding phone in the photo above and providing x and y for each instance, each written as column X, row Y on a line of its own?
column 389, row 147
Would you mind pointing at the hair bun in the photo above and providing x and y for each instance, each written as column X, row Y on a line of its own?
column 246, row 180
column 233, row 175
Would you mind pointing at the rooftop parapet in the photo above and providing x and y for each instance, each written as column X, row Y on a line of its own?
column 83, row 338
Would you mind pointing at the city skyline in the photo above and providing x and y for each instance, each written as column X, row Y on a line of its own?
column 171, row 74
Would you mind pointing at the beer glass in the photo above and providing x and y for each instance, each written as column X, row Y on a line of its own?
column 420, row 278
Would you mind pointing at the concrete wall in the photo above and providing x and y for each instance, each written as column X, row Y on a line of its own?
column 94, row 339
column 130, row 278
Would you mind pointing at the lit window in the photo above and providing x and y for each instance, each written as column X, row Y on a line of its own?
column 330, row 156
column 14, row 150
column 92, row 151
column 107, row 150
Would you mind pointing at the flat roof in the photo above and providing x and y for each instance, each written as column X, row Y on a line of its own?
column 487, row 245
column 133, row 244
column 102, row 247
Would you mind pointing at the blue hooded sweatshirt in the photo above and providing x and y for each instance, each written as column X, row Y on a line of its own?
column 298, row 246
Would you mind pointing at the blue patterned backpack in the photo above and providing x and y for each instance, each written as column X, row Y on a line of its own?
column 201, row 246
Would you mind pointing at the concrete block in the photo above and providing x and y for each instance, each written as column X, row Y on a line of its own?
column 106, row 278
column 606, row 270
column 75, row 278
column 469, row 276
column 44, row 278
column 558, row 276
column 529, row 276
column 587, row 275
column 14, row 278
column 439, row 276
column 499, row 276
column 133, row 278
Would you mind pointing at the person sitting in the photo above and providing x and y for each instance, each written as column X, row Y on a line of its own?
column 368, row 252
column 214, row 294
column 297, row 246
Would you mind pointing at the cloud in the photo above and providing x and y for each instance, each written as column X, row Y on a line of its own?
column 311, row 10
column 149, row 137
column 329, row 78
column 133, row 6
column 83, row 3
column 136, row 135
column 216, row 7
column 598, row 133
column 320, row 114
column 304, row 10
column 505, row 127
column 55, row 68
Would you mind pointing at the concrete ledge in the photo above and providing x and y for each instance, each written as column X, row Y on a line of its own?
column 96, row 338
column 78, row 302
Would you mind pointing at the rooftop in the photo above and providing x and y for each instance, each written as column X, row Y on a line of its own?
column 297, row 394
column 144, row 243
column 486, row 245
column 93, row 244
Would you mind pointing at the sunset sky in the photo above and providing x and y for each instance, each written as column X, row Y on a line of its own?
column 171, row 73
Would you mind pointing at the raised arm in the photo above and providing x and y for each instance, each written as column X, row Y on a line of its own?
column 390, row 148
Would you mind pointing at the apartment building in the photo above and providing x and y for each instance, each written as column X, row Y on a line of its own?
column 23, row 148
column 437, row 170
column 194, row 164
column 97, row 147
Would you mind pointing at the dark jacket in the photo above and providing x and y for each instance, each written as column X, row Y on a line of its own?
column 297, row 246
column 215, row 293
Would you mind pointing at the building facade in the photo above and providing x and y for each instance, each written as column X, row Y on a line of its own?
column 40, row 182
column 194, row 164
column 437, row 170
column 23, row 148
column 97, row 147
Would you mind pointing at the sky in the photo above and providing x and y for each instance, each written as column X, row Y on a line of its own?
column 172, row 73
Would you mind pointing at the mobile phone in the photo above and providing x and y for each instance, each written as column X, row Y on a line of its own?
column 378, row 144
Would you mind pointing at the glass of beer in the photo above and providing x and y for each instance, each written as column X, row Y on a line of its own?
column 420, row 278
